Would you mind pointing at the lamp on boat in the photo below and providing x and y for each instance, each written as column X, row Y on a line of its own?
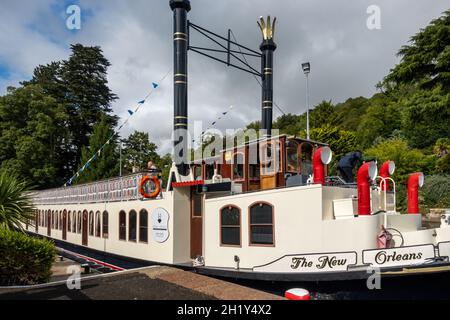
column 321, row 158
column 415, row 181
column 386, row 170
column 366, row 174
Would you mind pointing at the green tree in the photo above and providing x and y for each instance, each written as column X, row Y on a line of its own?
column 33, row 135
column 16, row 207
column 106, row 164
column 80, row 84
column 407, row 160
column 425, row 61
column 426, row 117
column 138, row 150
column 340, row 141
column 324, row 113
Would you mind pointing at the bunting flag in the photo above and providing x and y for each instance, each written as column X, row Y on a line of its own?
column 223, row 114
column 131, row 112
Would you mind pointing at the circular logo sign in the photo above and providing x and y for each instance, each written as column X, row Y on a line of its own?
column 160, row 225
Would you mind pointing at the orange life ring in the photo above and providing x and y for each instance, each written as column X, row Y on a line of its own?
column 157, row 190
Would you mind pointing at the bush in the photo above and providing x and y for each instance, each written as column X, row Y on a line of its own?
column 436, row 191
column 24, row 260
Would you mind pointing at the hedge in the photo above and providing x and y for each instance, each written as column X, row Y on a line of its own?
column 24, row 260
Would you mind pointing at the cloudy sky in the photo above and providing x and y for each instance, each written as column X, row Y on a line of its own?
column 347, row 59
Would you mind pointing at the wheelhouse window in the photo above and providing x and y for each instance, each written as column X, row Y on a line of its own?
column 269, row 154
column 306, row 158
column 105, row 225
column 143, row 226
column 122, row 225
column 238, row 166
column 91, row 223
column 292, row 156
column 98, row 224
column 132, row 223
column 230, row 226
column 209, row 171
column 261, row 224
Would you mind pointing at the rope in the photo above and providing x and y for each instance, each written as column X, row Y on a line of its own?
column 131, row 113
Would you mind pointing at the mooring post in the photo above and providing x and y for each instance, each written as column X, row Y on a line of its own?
column 180, row 9
column 267, row 48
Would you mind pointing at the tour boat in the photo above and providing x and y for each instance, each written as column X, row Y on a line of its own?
column 277, row 218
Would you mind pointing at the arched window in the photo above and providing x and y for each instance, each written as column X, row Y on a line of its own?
column 132, row 225
column 52, row 218
column 74, row 222
column 69, row 221
column 98, row 225
column 105, row 225
column 79, row 222
column 61, row 224
column 261, row 224
column 230, row 226
column 122, row 225
column 143, row 226
column 91, row 223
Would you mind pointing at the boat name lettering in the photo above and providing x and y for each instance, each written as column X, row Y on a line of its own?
column 382, row 257
column 323, row 262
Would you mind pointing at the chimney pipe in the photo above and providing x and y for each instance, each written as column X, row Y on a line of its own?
column 180, row 9
column 321, row 158
column 267, row 48
column 366, row 174
column 387, row 169
column 415, row 181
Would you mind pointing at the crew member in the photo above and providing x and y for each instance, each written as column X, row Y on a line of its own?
column 347, row 164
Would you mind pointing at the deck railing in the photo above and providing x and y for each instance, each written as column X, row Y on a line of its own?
column 116, row 189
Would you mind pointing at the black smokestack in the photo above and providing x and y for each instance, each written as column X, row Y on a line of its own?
column 180, row 9
column 267, row 48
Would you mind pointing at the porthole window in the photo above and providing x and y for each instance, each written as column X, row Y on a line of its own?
column 230, row 226
column 261, row 224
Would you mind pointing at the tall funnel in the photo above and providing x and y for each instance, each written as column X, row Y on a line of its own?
column 267, row 48
column 180, row 9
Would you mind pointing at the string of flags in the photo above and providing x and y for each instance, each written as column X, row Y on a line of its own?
column 220, row 117
column 131, row 112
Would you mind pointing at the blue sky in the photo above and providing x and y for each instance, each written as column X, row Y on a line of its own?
column 347, row 59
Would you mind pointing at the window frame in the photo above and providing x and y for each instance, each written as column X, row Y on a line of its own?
column 103, row 225
column 91, row 224
column 125, row 226
column 221, row 226
column 129, row 226
column 98, row 224
column 261, row 224
column 233, row 165
column 140, row 226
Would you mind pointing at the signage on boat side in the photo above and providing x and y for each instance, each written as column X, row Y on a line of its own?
column 402, row 256
column 160, row 225
column 321, row 262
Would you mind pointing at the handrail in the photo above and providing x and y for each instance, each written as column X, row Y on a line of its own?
column 123, row 188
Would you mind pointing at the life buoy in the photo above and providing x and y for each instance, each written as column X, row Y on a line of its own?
column 157, row 190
